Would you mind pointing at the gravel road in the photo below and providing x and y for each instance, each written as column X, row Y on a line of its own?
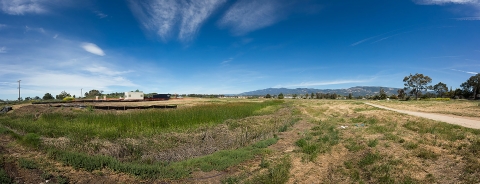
column 457, row 120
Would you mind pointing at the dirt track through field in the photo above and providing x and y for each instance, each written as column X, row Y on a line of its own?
column 457, row 120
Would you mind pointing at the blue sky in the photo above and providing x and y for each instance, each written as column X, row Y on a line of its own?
column 229, row 47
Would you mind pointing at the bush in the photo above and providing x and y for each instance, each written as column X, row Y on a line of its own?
column 68, row 98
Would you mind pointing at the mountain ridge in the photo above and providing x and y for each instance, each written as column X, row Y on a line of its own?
column 356, row 91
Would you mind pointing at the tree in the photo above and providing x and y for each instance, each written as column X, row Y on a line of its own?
column 294, row 96
column 28, row 98
column 472, row 86
column 48, row 96
column 382, row 95
column 36, row 98
column 312, row 96
column 280, row 96
column 349, row 95
column 417, row 83
column 93, row 93
column 440, row 88
column 268, row 96
column 401, row 93
column 62, row 95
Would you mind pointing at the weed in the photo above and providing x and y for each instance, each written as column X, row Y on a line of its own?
column 276, row 174
column 27, row 163
column 32, row 140
column 369, row 159
column 264, row 163
column 410, row 145
column 283, row 128
column 231, row 180
column 353, row 146
column 372, row 143
column 426, row 154
column 47, row 176
column 4, row 178
column 62, row 180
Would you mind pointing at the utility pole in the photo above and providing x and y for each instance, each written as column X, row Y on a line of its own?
column 19, row 89
column 81, row 92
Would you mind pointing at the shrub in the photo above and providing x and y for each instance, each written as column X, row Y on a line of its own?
column 68, row 99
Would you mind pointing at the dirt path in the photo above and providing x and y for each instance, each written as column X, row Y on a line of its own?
column 457, row 120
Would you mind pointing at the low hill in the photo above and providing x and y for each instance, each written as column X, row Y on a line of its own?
column 356, row 91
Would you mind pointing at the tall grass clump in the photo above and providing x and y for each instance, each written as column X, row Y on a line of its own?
column 111, row 125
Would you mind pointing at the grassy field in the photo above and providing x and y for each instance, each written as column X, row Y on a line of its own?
column 236, row 141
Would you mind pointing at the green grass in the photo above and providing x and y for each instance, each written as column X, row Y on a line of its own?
column 277, row 174
column 111, row 125
column 321, row 138
column 372, row 143
column 219, row 160
column 27, row 163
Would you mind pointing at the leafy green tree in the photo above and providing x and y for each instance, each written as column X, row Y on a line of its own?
column 93, row 93
column 350, row 96
column 48, row 96
column 280, row 96
column 268, row 96
column 382, row 95
column 36, row 98
column 393, row 97
column 62, row 95
column 28, row 98
column 294, row 96
column 440, row 88
column 472, row 86
column 417, row 83
column 401, row 93
column 312, row 96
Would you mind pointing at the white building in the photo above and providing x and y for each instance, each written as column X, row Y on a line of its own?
column 134, row 95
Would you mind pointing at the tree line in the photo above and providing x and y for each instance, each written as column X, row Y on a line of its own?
column 417, row 86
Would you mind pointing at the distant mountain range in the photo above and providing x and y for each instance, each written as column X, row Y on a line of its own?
column 356, row 91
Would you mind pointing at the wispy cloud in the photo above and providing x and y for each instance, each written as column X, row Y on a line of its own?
column 38, row 29
column 361, row 41
column 438, row 57
column 227, row 61
column 97, row 69
column 473, row 73
column 162, row 16
column 20, row 7
column 467, row 4
column 55, row 36
column 322, row 83
column 92, row 48
column 3, row 49
column 100, row 14
column 246, row 16
column 194, row 15
column 441, row 2
column 468, row 18
column 2, row 26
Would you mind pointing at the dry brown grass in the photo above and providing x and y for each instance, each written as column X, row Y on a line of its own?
column 454, row 107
